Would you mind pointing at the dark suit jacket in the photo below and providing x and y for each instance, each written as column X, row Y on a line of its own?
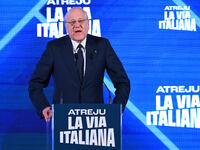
column 58, row 60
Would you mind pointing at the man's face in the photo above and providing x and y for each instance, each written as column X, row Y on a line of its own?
column 77, row 24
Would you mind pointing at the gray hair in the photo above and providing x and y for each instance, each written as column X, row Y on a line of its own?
column 67, row 14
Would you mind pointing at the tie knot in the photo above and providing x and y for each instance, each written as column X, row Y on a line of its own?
column 79, row 46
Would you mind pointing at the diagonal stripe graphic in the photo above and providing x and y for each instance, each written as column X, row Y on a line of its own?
column 20, row 25
column 193, row 15
column 135, row 111
column 40, row 17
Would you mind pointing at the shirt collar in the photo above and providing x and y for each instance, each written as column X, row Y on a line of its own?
column 75, row 44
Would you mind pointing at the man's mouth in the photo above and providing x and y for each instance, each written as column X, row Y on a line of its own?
column 78, row 31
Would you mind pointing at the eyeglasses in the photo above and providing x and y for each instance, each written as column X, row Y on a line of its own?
column 73, row 22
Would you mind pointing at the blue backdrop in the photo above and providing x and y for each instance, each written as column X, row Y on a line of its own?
column 152, row 57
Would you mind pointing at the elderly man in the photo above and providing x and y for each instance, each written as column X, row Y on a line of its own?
column 77, row 63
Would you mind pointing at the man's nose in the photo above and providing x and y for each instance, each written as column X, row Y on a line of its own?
column 77, row 24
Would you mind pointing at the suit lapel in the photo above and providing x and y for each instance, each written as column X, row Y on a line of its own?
column 68, row 58
column 90, row 46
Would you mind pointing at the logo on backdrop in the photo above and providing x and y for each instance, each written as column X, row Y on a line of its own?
column 176, row 106
column 177, row 18
column 88, row 127
column 54, row 25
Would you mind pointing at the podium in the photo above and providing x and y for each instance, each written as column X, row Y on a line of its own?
column 86, row 126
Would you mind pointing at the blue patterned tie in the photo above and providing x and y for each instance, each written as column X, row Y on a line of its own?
column 79, row 62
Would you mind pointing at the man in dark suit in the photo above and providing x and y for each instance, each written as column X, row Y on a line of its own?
column 77, row 63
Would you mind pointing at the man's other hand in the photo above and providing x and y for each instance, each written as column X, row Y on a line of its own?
column 47, row 114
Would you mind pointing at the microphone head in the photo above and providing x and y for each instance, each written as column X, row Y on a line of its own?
column 91, row 56
column 76, row 56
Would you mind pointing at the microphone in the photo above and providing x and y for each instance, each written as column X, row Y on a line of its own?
column 76, row 56
column 61, row 97
column 91, row 56
column 108, row 92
